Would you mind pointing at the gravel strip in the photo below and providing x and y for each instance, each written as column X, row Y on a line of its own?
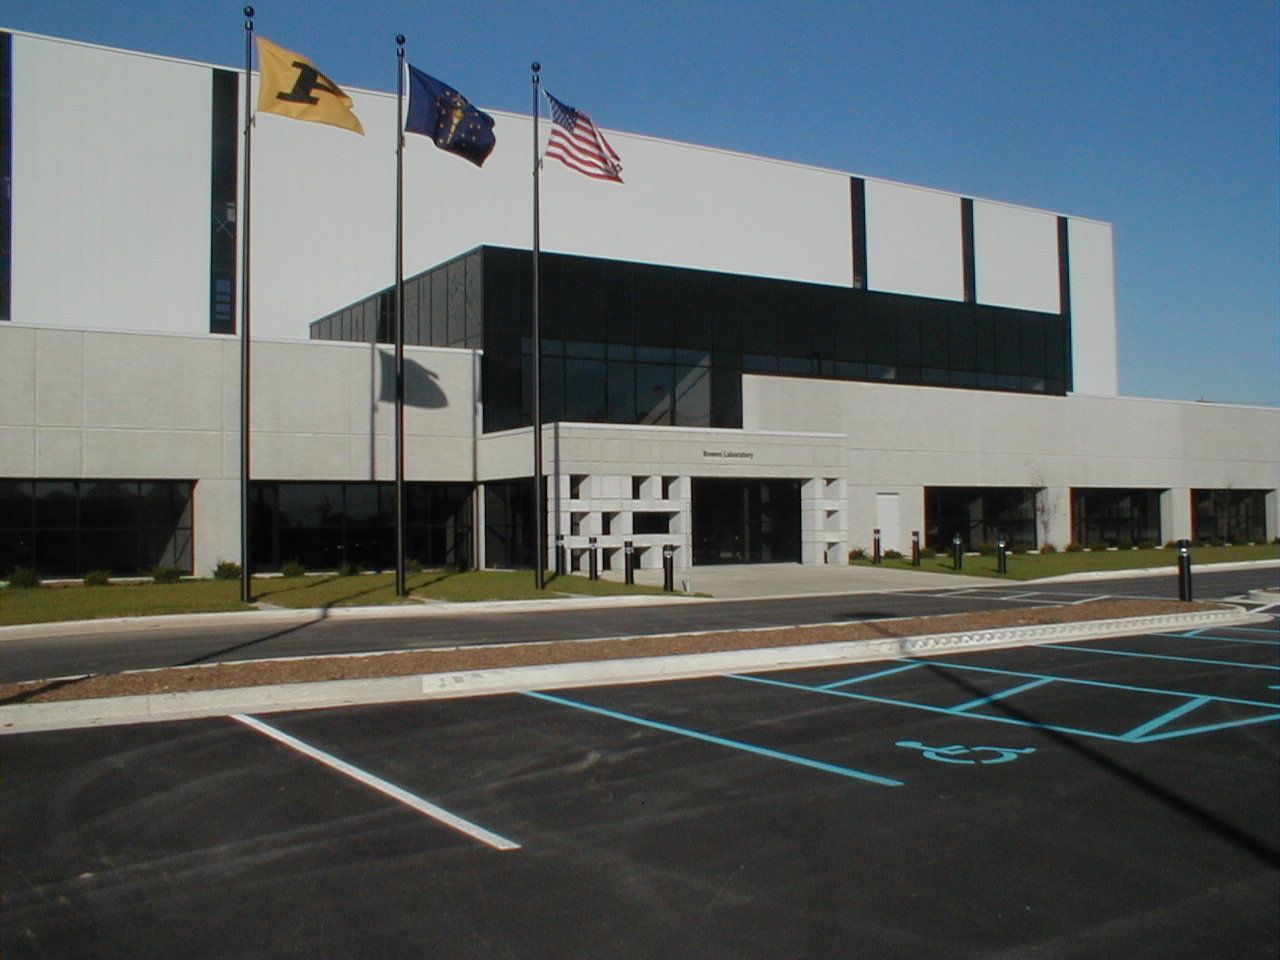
column 225, row 676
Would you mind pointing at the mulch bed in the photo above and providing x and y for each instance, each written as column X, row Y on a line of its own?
column 222, row 676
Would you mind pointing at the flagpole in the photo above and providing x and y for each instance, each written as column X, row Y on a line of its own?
column 400, row 584
column 539, row 509
column 246, row 574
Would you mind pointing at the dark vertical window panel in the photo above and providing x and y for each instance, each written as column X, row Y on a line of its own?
column 692, row 396
column 754, row 307
column 457, row 310
column 586, row 397
column 653, row 304
column 1032, row 332
column 508, row 291
column 1008, row 344
column 411, row 328
column 619, row 304
column 726, row 397
column 962, row 342
column 472, row 334
column 1064, row 295
column 907, row 331
column 580, row 307
column 793, row 324
column 858, row 230
column 386, row 308
column 966, row 243
column 223, row 183
column 654, row 393
column 692, row 311
column 621, row 391
column 552, row 389
column 439, row 309
column 984, row 341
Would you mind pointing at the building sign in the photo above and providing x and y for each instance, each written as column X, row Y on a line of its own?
column 727, row 455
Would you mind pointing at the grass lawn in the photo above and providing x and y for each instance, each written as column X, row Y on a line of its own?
column 76, row 602
column 1031, row 566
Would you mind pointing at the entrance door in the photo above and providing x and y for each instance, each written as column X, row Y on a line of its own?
column 745, row 521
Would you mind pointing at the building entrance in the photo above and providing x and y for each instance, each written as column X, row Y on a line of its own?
column 745, row 521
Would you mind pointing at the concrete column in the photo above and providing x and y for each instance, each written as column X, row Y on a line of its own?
column 1175, row 514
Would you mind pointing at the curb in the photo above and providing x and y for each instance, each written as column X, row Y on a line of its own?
column 287, row 615
column 1166, row 571
column 37, row 717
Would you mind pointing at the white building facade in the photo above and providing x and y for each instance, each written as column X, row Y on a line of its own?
column 746, row 359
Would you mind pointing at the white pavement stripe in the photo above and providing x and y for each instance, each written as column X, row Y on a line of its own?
column 382, row 786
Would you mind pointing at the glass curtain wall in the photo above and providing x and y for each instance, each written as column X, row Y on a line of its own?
column 65, row 528
column 325, row 526
column 980, row 516
column 1229, row 516
column 1111, row 518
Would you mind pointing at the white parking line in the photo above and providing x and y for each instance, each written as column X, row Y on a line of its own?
column 382, row 786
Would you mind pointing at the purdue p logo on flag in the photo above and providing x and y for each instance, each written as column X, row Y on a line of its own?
column 291, row 85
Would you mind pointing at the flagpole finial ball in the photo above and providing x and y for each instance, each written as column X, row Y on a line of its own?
column 536, row 67
column 248, row 11
column 400, row 39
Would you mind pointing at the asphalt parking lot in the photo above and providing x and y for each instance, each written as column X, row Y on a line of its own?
column 1108, row 798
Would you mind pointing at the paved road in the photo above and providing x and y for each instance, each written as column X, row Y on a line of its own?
column 1115, row 798
column 145, row 647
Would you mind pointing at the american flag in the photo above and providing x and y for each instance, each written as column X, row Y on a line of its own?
column 577, row 144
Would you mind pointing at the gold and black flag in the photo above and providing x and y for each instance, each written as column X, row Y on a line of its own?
column 292, row 86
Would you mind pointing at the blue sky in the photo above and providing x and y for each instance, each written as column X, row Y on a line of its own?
column 1159, row 117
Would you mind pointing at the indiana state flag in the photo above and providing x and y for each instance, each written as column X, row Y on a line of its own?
column 438, row 111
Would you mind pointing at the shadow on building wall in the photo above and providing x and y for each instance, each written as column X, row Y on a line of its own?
column 420, row 386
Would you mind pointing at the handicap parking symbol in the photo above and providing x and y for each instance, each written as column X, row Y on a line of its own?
column 968, row 755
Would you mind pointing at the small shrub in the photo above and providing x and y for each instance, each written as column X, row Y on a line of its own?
column 857, row 553
column 1171, row 544
column 294, row 568
column 1097, row 545
column 1146, row 544
column 227, row 570
column 1124, row 543
column 97, row 578
column 349, row 569
column 163, row 574
column 1072, row 547
column 24, row 578
column 892, row 555
column 413, row 565
column 1048, row 548
column 987, row 549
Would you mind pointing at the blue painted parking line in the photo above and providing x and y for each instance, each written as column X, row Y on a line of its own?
column 1205, row 636
column 1029, row 685
column 871, row 676
column 1147, row 732
column 928, row 708
column 1165, row 656
column 1201, row 630
column 719, row 741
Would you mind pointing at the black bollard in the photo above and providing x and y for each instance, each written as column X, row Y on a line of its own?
column 668, row 567
column 957, row 553
column 1184, row 570
column 875, row 545
column 915, row 548
column 1002, row 556
column 559, row 554
column 593, row 561
column 629, row 561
